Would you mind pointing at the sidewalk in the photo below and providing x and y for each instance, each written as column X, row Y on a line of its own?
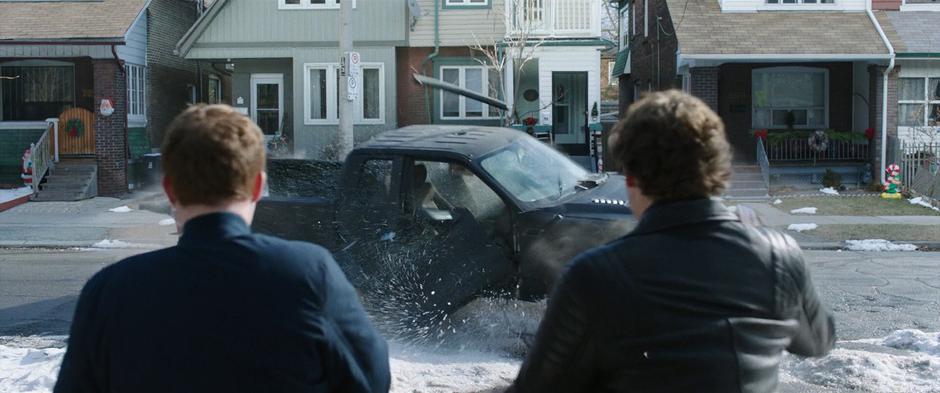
column 86, row 223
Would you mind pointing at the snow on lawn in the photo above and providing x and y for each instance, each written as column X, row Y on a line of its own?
column 108, row 243
column 829, row 191
column 121, row 209
column 802, row 227
column 878, row 245
column 14, row 193
column 905, row 361
column 777, row 201
column 167, row 222
column 922, row 202
column 804, row 210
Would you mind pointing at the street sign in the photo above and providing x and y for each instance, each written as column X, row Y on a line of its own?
column 352, row 88
column 354, row 63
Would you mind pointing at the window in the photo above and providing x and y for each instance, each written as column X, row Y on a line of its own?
column 476, row 78
column 919, row 102
column 33, row 92
column 466, row 3
column 624, row 28
column 801, row 1
column 611, row 79
column 441, row 187
column 214, row 90
column 323, row 89
column 790, row 96
column 310, row 4
column 136, row 95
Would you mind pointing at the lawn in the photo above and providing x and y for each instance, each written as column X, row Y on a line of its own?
column 901, row 233
column 856, row 206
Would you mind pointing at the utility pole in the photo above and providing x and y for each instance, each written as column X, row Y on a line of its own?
column 348, row 80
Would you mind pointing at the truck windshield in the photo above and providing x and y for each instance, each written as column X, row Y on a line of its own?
column 532, row 171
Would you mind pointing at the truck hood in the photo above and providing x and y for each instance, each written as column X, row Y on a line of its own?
column 606, row 201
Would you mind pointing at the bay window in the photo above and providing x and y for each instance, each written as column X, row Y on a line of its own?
column 919, row 102
column 784, row 97
column 482, row 80
column 323, row 88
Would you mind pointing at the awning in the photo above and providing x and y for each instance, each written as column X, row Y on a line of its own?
column 622, row 65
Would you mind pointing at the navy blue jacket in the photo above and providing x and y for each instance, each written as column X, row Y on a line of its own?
column 223, row 311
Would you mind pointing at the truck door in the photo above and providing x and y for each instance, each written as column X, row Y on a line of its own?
column 461, row 231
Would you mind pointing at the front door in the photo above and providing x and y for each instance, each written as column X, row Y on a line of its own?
column 267, row 102
column 569, row 112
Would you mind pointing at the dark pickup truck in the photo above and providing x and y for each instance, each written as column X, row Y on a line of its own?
column 433, row 216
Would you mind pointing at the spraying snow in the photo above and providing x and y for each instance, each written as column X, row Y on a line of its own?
column 877, row 245
column 167, row 222
column 804, row 210
column 121, row 209
column 802, row 227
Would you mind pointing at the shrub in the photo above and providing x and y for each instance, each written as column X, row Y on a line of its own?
column 832, row 179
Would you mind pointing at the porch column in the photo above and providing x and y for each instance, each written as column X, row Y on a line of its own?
column 875, row 115
column 704, row 85
column 110, row 141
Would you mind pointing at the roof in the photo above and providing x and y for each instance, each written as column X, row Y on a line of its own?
column 73, row 20
column 702, row 29
column 622, row 66
column 468, row 141
column 186, row 42
column 911, row 31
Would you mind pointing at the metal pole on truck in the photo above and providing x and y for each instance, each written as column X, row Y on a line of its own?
column 348, row 79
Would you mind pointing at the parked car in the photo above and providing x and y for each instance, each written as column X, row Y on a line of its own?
column 434, row 216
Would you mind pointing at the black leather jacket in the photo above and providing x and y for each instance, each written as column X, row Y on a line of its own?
column 691, row 301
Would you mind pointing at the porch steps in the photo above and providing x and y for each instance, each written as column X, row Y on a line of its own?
column 70, row 180
column 747, row 184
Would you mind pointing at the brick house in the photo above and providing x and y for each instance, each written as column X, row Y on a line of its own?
column 789, row 67
column 60, row 62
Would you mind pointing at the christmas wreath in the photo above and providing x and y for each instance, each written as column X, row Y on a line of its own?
column 818, row 141
column 75, row 128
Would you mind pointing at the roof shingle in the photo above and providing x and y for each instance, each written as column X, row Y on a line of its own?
column 702, row 28
column 912, row 31
column 39, row 21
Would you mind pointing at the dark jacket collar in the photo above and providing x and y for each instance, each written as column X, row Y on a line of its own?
column 213, row 227
column 669, row 214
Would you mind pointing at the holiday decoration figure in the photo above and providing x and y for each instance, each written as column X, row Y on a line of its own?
column 27, row 170
column 892, row 188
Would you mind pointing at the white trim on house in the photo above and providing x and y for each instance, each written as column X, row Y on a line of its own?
column 257, row 79
column 467, row 3
column 332, row 118
column 731, row 6
column 488, row 113
column 310, row 5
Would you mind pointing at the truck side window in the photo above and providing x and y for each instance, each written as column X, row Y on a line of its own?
column 446, row 186
column 374, row 182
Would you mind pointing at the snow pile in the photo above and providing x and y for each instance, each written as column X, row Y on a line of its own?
column 878, row 245
column 804, row 210
column 777, row 201
column 29, row 364
column 922, row 202
column 914, row 340
column 108, row 243
column 167, row 222
column 829, row 191
column 417, row 371
column 122, row 209
column 14, row 193
column 802, row 227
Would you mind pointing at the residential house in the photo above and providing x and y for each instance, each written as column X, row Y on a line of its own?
column 784, row 67
column 913, row 28
column 283, row 56
column 65, row 61
column 558, row 88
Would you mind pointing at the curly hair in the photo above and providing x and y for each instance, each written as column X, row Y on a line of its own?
column 674, row 147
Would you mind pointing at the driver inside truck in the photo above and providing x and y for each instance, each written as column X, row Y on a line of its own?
column 425, row 195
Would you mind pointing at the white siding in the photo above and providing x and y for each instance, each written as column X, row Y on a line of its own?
column 458, row 27
column 567, row 58
column 135, row 51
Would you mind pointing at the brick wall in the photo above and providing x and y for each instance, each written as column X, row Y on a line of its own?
column 886, row 5
column 704, row 85
column 412, row 104
column 110, row 132
column 876, row 80
column 168, row 75
column 652, row 58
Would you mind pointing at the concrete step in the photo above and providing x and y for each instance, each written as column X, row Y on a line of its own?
column 747, row 177
column 745, row 169
column 74, row 168
column 60, row 196
column 70, row 181
column 736, row 184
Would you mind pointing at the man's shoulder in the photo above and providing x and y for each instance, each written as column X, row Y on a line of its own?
column 293, row 256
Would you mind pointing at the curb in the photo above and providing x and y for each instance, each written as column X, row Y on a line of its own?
column 60, row 245
column 833, row 246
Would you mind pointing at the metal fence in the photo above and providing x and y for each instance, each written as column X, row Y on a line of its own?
column 798, row 149
column 920, row 167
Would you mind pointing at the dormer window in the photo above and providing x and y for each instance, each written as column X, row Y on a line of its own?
column 310, row 4
column 801, row 1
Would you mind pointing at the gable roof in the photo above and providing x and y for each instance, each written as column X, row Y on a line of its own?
column 74, row 20
column 911, row 31
column 702, row 29
column 186, row 42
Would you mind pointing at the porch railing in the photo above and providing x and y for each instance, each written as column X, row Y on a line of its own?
column 41, row 154
column 798, row 149
column 764, row 162
column 555, row 18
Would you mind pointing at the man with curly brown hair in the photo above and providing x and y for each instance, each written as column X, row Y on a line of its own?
column 691, row 300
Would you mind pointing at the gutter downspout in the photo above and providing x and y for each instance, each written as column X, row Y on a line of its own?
column 884, row 88
column 427, row 60
column 127, row 147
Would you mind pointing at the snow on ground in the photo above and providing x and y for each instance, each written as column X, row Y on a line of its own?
column 802, row 227
column 878, row 245
column 905, row 361
column 121, row 209
column 167, row 222
column 108, row 243
column 804, row 210
column 829, row 191
column 777, row 201
column 7, row 195
column 923, row 202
